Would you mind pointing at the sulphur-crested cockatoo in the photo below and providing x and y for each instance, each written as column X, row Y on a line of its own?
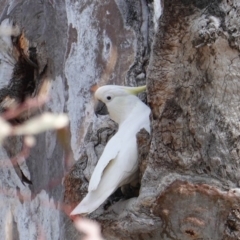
column 118, row 163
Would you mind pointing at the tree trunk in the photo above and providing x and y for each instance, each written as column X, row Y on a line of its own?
column 188, row 166
column 193, row 92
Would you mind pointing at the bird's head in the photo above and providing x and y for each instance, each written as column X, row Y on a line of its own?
column 117, row 101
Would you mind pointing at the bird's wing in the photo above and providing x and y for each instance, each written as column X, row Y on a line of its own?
column 110, row 153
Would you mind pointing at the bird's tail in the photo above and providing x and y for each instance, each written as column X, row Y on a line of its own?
column 92, row 201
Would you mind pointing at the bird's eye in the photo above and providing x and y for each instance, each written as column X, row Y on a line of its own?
column 109, row 98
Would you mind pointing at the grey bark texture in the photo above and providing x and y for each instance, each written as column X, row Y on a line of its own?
column 189, row 166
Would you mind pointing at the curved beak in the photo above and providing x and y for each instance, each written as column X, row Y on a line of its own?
column 100, row 108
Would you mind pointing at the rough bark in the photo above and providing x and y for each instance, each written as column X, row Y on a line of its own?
column 193, row 92
column 82, row 43
column 188, row 166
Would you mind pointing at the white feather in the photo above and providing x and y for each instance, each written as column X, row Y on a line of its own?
column 119, row 162
column 110, row 152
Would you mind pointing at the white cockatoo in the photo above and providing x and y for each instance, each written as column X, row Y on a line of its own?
column 118, row 163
